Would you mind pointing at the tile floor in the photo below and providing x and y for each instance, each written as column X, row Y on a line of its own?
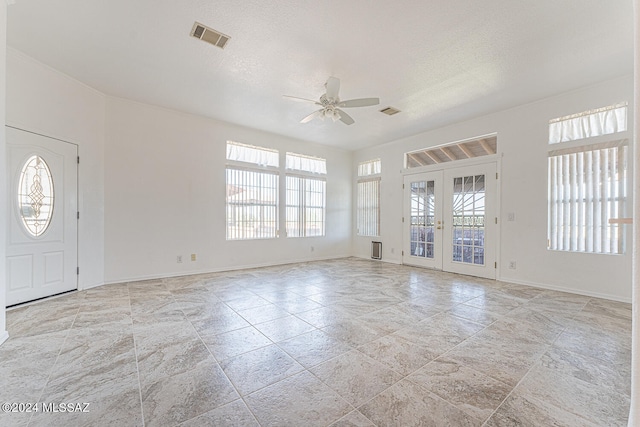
column 346, row 342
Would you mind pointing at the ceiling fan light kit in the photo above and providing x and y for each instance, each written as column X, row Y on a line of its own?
column 331, row 104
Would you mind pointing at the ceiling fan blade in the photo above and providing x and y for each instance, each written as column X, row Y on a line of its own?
column 361, row 102
column 295, row 98
column 312, row 116
column 333, row 87
column 345, row 118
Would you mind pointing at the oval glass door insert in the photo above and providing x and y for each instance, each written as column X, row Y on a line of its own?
column 35, row 196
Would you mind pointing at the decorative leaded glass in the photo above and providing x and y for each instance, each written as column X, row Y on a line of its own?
column 35, row 196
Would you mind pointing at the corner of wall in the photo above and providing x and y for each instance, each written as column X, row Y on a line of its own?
column 3, row 72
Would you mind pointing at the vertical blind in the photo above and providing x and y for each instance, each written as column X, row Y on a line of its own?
column 368, row 215
column 587, row 187
column 305, row 209
column 252, row 204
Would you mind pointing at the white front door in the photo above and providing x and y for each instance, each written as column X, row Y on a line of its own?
column 42, row 237
column 450, row 220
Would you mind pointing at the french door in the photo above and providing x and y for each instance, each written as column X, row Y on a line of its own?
column 450, row 220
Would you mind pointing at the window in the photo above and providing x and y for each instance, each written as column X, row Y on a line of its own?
column 370, row 167
column 587, row 182
column 601, row 121
column 305, row 206
column 587, row 187
column 368, row 209
column 251, row 154
column 304, row 163
column 35, row 196
column 452, row 152
column 306, row 195
column 252, row 193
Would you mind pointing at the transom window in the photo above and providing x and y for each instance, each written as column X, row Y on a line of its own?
column 300, row 162
column 601, row 121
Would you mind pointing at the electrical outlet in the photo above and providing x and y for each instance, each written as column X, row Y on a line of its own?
column 179, row 259
column 511, row 216
column 512, row 265
column 393, row 250
column 312, row 249
column 193, row 257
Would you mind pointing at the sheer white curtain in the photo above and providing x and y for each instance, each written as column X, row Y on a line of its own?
column 306, row 163
column 587, row 187
column 370, row 167
column 602, row 121
column 251, row 154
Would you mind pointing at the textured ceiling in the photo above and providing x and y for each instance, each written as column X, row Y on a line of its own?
column 439, row 62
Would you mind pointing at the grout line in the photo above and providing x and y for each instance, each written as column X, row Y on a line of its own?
column 55, row 363
column 135, row 349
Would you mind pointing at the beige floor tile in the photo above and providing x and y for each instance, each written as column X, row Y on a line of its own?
column 347, row 332
column 474, row 393
column 300, row 400
column 259, row 368
column 409, row 405
column 355, row 376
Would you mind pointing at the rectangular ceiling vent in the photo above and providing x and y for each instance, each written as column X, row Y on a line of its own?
column 390, row 111
column 209, row 35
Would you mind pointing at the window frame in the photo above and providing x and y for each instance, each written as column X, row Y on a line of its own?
column 261, row 170
column 588, row 209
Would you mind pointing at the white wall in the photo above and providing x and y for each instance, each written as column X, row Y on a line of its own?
column 3, row 167
column 522, row 143
column 43, row 100
column 165, row 196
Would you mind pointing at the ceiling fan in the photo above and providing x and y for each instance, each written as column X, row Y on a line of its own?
column 331, row 104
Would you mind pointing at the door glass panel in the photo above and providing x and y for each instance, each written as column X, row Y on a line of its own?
column 468, row 219
column 422, row 227
column 35, row 195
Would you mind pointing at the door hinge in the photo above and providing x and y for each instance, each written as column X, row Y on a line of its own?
column 403, row 186
column 495, row 264
column 496, row 175
column 402, row 219
column 496, row 220
column 78, row 159
column 78, row 270
column 402, row 253
column 78, row 215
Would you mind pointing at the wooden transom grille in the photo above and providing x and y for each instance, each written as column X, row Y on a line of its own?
column 452, row 152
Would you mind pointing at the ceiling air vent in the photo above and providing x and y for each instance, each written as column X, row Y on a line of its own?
column 209, row 35
column 390, row 111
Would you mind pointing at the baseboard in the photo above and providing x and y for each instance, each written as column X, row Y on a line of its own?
column 377, row 260
column 3, row 337
column 567, row 290
column 221, row 269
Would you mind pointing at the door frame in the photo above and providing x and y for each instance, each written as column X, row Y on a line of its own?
column 77, row 204
column 457, row 164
